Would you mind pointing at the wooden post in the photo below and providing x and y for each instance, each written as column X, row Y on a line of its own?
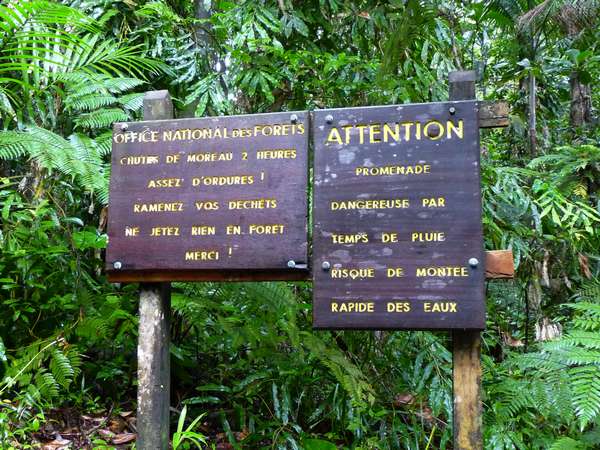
column 466, row 345
column 154, row 366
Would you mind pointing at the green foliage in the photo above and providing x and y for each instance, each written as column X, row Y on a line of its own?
column 40, row 370
column 245, row 353
column 557, row 385
column 183, row 438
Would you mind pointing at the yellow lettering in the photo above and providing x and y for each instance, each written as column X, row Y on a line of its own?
column 209, row 157
column 165, row 183
column 442, row 271
column 350, row 238
column 399, row 307
column 157, row 207
column 438, row 133
column 132, row 231
column 353, row 307
column 207, row 206
column 433, row 202
column 374, row 131
column 389, row 237
column 138, row 160
column 259, row 203
column 440, row 307
column 266, row 229
column 284, row 153
column 233, row 229
column 416, row 169
column 433, row 236
column 202, row 255
column 395, row 272
column 164, row 231
column 367, row 272
column 388, row 132
column 203, row 230
column 229, row 180
column 334, row 136
column 397, row 203
column 451, row 127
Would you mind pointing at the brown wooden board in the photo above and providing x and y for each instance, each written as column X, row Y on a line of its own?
column 218, row 195
column 383, row 175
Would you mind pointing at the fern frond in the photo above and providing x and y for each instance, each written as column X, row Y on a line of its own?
column 132, row 102
column 60, row 367
column 104, row 143
column 585, row 381
column 12, row 145
column 118, row 85
column 102, row 118
column 110, row 58
column 89, row 102
column 46, row 384
column 583, row 338
column 567, row 443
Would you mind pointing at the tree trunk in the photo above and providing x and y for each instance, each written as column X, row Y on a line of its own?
column 532, row 116
column 201, row 11
column 581, row 102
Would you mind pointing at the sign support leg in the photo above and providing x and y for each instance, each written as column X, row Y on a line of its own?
column 466, row 345
column 466, row 386
column 154, row 365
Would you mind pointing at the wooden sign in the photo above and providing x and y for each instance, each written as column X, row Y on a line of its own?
column 397, row 240
column 208, row 198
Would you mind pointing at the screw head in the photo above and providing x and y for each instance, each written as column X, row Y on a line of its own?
column 452, row 110
column 325, row 265
column 117, row 265
column 294, row 118
column 473, row 262
column 329, row 119
column 291, row 263
column 124, row 126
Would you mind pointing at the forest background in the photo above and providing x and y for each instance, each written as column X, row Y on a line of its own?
column 244, row 358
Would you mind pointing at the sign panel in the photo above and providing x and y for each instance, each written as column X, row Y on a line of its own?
column 397, row 240
column 219, row 193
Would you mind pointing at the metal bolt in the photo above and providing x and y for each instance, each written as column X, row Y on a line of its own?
column 291, row 264
column 117, row 265
column 124, row 126
column 329, row 119
column 325, row 265
column 294, row 118
column 452, row 110
column 473, row 262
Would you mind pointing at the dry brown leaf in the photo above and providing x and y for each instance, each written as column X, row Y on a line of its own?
column 544, row 272
column 117, row 425
column 584, row 266
column 547, row 330
column 426, row 414
column 106, row 433
column 124, row 438
column 224, row 446
column 103, row 219
column 405, row 398
column 57, row 444
column 511, row 341
column 125, row 414
column 242, row 435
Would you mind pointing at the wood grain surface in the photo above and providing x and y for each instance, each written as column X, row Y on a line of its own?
column 187, row 199
column 434, row 301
